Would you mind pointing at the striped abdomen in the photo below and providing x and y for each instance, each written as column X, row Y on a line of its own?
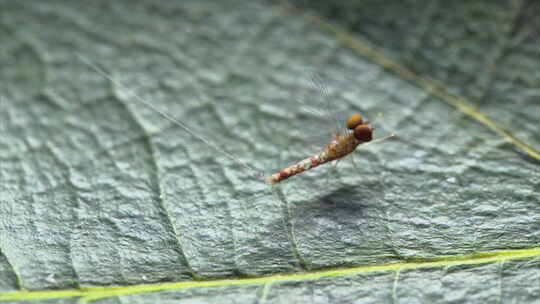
column 342, row 145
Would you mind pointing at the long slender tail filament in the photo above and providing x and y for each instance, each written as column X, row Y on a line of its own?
column 254, row 172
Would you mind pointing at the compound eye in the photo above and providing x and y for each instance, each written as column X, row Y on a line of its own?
column 363, row 133
column 354, row 120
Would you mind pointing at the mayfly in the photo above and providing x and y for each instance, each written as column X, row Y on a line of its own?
column 343, row 143
column 344, row 140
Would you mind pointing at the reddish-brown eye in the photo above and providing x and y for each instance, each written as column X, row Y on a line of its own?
column 363, row 133
column 354, row 120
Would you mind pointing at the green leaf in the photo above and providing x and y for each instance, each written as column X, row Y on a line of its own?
column 102, row 199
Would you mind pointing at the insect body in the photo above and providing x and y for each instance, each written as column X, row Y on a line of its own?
column 342, row 145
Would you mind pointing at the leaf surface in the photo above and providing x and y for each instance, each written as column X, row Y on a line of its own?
column 104, row 200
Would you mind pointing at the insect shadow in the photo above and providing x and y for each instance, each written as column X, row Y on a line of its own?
column 346, row 199
column 343, row 202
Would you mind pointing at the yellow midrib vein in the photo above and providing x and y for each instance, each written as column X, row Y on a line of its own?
column 430, row 85
column 94, row 293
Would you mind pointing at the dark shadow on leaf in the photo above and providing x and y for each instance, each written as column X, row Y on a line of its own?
column 343, row 203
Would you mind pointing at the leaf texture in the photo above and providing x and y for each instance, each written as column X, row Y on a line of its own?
column 104, row 200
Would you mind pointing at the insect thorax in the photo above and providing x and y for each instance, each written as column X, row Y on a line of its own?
column 342, row 145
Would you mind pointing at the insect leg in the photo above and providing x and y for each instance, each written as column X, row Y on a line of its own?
column 334, row 169
column 355, row 164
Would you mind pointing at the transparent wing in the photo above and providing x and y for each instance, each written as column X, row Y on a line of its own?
column 334, row 95
column 313, row 98
column 320, row 95
column 312, row 110
column 327, row 104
